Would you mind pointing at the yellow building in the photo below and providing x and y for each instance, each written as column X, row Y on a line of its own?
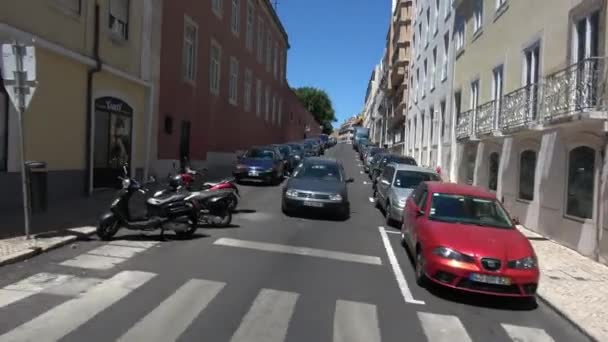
column 97, row 67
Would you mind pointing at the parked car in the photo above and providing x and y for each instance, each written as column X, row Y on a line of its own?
column 396, row 184
column 286, row 155
column 317, row 184
column 378, row 168
column 370, row 155
column 363, row 144
column 298, row 152
column 462, row 237
column 310, row 149
column 260, row 164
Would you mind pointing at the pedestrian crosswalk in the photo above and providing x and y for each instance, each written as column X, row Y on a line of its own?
column 109, row 255
column 267, row 319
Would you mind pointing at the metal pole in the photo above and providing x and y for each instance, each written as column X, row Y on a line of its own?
column 20, row 84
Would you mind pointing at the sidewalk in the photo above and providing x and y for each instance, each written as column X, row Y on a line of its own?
column 576, row 286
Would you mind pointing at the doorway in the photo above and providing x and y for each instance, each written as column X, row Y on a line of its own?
column 113, row 134
column 184, row 143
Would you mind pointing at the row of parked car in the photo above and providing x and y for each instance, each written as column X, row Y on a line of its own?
column 271, row 163
column 458, row 236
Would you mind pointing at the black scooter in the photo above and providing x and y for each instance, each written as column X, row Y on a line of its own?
column 164, row 211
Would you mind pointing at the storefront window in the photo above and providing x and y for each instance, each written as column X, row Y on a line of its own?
column 527, row 170
column 494, row 162
column 581, row 164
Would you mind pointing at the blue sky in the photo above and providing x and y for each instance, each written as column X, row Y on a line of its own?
column 334, row 46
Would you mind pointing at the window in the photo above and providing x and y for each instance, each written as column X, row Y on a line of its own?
column 436, row 17
column 497, row 86
column 216, row 6
column 190, row 49
column 417, row 85
column 422, row 128
column 447, row 9
column 459, row 35
column 420, row 39
column 236, row 17
column 474, row 101
column 260, row 54
column 457, row 104
column 424, row 71
column 443, row 118
column 581, row 182
column 421, row 200
column 433, row 68
column 427, row 39
column 500, row 3
column 250, row 26
column 71, row 6
column 478, row 16
column 268, row 49
column 431, row 123
column 267, row 113
column 258, row 97
column 446, row 51
column 280, row 111
column 275, row 66
column 476, row 211
column 493, row 171
column 527, row 172
column 119, row 18
column 283, row 65
column 215, row 68
column 234, row 81
column 532, row 75
column 274, row 109
column 168, row 124
column 247, row 90
column 411, row 179
column 586, row 37
column 3, row 128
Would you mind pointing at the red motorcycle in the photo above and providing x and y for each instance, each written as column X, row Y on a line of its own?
column 190, row 177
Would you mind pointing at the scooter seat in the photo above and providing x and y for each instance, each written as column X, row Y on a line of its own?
column 172, row 197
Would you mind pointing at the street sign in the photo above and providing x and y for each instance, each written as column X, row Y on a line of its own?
column 18, row 67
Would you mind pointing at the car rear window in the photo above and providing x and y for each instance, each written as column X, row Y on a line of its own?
column 258, row 153
column 472, row 210
column 411, row 179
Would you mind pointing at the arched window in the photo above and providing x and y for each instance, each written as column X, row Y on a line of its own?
column 527, row 170
column 581, row 182
column 493, row 177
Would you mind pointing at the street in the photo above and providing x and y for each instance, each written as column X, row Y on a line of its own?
column 267, row 278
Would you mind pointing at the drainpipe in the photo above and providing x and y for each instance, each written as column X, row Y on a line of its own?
column 89, row 105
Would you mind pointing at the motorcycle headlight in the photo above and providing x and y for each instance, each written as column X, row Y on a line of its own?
column 448, row 253
column 291, row 193
column 523, row 263
column 126, row 183
column 335, row 197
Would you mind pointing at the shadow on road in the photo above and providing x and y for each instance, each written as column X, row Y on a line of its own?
column 245, row 211
column 169, row 236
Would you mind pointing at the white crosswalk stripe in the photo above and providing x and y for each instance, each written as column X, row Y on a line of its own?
column 443, row 328
column 173, row 316
column 64, row 318
column 107, row 256
column 267, row 320
column 526, row 334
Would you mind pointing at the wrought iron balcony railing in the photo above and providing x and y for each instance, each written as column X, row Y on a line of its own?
column 575, row 89
column 519, row 107
column 485, row 118
column 464, row 124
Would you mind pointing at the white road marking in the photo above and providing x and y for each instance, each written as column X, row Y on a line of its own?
column 321, row 253
column 59, row 284
column 526, row 334
column 392, row 232
column 365, row 183
column 135, row 244
column 116, row 251
column 268, row 318
column 372, row 200
column 96, row 262
column 392, row 258
column 356, row 322
column 173, row 316
column 361, row 172
column 65, row 318
column 443, row 328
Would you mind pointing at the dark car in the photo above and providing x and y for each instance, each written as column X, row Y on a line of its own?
column 374, row 163
column 289, row 155
column 371, row 152
column 377, row 170
column 298, row 152
column 260, row 164
column 313, row 146
column 319, row 144
column 324, row 139
column 317, row 184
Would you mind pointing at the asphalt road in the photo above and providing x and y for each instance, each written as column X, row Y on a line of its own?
column 269, row 278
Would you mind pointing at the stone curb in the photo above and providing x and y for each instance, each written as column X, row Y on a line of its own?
column 33, row 251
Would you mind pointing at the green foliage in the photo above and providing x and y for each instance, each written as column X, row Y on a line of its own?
column 319, row 105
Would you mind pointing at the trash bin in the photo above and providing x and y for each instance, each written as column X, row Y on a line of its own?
column 37, row 175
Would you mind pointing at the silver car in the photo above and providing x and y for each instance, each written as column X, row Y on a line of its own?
column 394, row 186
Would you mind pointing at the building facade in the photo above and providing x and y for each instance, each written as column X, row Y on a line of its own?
column 428, row 129
column 224, row 82
column 529, row 97
column 94, row 105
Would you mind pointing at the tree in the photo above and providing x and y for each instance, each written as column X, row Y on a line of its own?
column 319, row 105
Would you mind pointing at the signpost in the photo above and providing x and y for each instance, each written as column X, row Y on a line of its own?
column 18, row 66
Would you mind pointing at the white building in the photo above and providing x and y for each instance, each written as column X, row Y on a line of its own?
column 429, row 124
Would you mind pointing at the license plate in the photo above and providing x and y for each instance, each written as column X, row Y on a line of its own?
column 490, row 279
column 313, row 204
column 253, row 173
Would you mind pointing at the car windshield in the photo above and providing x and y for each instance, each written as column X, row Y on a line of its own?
column 403, row 160
column 326, row 172
column 285, row 150
column 411, row 179
column 468, row 210
column 375, row 150
column 259, row 153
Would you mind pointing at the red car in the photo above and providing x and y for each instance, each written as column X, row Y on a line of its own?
column 461, row 237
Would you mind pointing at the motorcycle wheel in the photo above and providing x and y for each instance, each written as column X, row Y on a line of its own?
column 107, row 229
column 193, row 226
column 222, row 220
column 234, row 201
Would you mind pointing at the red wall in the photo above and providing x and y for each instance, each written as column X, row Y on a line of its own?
column 216, row 125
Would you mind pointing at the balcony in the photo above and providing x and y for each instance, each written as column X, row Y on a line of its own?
column 486, row 118
column 574, row 90
column 403, row 13
column 519, row 108
column 465, row 124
